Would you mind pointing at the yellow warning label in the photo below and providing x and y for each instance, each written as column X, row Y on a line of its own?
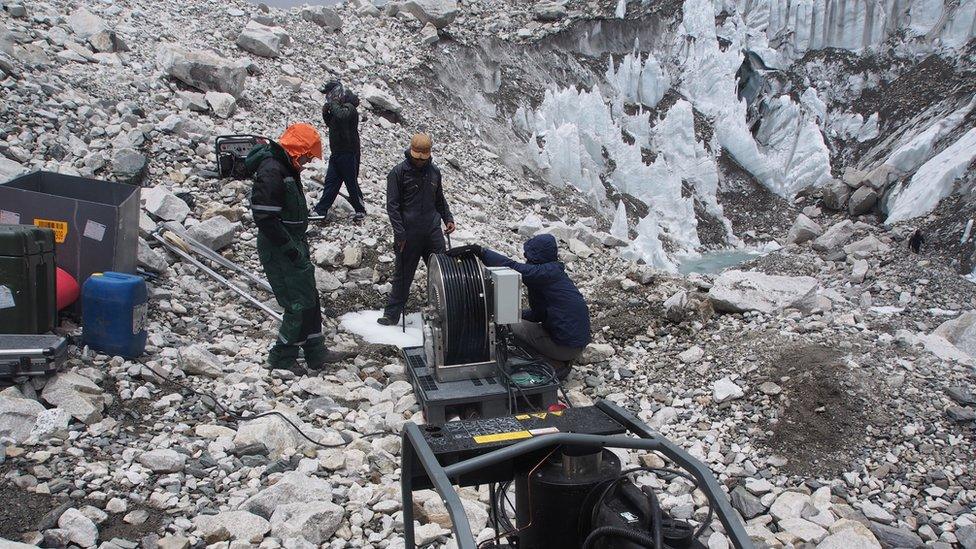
column 502, row 437
column 522, row 417
column 60, row 228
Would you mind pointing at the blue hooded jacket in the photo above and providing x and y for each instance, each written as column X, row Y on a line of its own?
column 554, row 300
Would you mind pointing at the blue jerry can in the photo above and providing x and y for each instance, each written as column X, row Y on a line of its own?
column 113, row 314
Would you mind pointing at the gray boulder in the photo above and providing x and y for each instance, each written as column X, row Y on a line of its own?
column 203, row 70
column 129, row 166
column 91, row 28
column 77, row 395
column 163, row 460
column 803, row 229
column 223, row 104
column 197, row 360
column 149, row 258
column 262, row 40
column 215, row 233
column 739, row 291
column 862, row 201
column 835, row 194
column 51, row 423
column 746, row 503
column 293, row 487
column 165, row 205
column 10, row 169
column 892, row 537
column 961, row 332
column 325, row 17
column 440, row 13
column 80, row 529
column 314, row 521
column 18, row 417
column 835, row 237
column 380, row 99
column 232, row 525
column 549, row 11
column 966, row 536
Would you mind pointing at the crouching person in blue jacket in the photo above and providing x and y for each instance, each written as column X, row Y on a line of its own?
column 557, row 323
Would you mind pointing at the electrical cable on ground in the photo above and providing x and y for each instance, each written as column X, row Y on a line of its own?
column 239, row 418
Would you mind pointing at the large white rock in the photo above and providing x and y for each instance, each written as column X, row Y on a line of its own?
column 292, row 487
column 197, row 360
column 961, row 332
column 802, row 529
column 740, row 291
column 163, row 460
column 850, row 539
column 77, row 395
column 835, row 237
column 314, row 521
column 216, row 233
column 93, row 29
column 165, row 205
column 81, row 530
column 789, row 504
column 262, row 40
column 803, row 229
column 10, row 169
column 380, row 99
column 18, row 417
column 203, row 70
column 149, row 258
column 232, row 525
column 323, row 16
column 223, row 104
column 278, row 435
column 440, row 13
column 725, row 389
column 51, row 423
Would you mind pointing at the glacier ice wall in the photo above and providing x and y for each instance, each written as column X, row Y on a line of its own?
column 801, row 26
column 934, row 181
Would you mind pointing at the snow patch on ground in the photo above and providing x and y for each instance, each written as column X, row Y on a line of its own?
column 363, row 323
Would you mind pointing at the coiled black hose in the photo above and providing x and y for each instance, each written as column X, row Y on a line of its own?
column 465, row 304
column 615, row 532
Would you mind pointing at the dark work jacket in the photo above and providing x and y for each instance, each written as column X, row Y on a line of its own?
column 554, row 301
column 277, row 199
column 342, row 119
column 415, row 199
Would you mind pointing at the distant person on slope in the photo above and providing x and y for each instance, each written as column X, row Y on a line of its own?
column 557, row 323
column 416, row 205
column 342, row 118
column 281, row 214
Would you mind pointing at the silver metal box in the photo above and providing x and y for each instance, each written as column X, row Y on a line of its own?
column 508, row 295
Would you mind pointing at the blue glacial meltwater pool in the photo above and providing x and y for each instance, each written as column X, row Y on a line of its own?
column 718, row 261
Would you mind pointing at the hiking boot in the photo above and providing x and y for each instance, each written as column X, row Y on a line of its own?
column 358, row 217
column 321, row 360
column 317, row 217
column 387, row 320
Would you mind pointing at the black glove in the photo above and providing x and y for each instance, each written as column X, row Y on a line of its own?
column 293, row 255
column 463, row 251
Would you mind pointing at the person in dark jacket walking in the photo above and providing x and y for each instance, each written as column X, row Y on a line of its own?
column 557, row 322
column 281, row 215
column 342, row 118
column 416, row 206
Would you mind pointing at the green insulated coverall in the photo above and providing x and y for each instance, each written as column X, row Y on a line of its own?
column 281, row 214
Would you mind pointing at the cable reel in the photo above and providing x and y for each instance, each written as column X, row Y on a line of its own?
column 459, row 332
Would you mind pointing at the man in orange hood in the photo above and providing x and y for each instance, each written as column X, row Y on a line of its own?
column 281, row 214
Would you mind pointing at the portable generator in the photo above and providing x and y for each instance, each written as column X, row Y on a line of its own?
column 231, row 150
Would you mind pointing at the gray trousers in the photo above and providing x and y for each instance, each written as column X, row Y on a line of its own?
column 535, row 336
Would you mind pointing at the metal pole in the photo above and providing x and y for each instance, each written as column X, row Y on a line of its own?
column 216, row 276
column 196, row 246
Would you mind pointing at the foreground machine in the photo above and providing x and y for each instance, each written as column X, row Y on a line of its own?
column 570, row 491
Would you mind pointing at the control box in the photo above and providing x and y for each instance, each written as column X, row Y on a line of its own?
column 508, row 295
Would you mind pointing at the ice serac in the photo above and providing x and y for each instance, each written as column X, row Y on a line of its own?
column 932, row 182
column 858, row 24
